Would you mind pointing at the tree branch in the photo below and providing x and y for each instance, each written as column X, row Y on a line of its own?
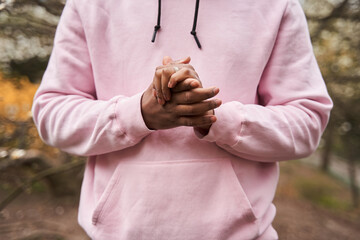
column 46, row 173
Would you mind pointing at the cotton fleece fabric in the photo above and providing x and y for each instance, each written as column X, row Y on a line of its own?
column 177, row 184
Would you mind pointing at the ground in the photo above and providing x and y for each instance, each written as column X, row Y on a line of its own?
column 301, row 212
column 300, row 220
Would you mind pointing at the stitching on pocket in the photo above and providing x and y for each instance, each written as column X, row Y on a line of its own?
column 249, row 215
column 103, row 202
column 100, row 206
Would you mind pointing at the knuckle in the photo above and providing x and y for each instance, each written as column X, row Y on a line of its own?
column 187, row 71
column 167, row 71
column 171, row 120
column 192, row 111
column 188, row 122
column 187, row 97
column 179, row 121
column 158, row 72
column 176, row 111
column 173, row 116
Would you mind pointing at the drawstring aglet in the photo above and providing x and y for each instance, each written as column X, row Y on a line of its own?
column 196, row 38
column 156, row 28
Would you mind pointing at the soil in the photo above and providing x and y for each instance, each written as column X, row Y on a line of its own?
column 298, row 220
column 41, row 217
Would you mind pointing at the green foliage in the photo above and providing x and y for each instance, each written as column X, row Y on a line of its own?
column 38, row 187
column 335, row 34
column 322, row 193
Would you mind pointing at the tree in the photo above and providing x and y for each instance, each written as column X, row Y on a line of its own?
column 335, row 33
column 27, row 29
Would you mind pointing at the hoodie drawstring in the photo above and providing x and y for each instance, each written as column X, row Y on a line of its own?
column 193, row 31
column 157, row 26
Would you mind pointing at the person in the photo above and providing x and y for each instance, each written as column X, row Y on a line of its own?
column 183, row 130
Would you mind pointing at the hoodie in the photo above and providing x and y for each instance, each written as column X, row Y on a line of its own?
column 177, row 184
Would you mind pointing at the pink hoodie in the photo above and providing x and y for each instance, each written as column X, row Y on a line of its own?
column 174, row 184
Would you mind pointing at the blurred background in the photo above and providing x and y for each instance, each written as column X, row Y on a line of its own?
column 317, row 197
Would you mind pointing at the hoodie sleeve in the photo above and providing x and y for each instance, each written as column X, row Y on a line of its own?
column 295, row 105
column 65, row 109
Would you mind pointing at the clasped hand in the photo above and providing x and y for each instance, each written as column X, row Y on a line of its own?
column 177, row 98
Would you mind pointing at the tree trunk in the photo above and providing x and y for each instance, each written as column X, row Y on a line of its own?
column 353, row 183
column 325, row 158
column 352, row 157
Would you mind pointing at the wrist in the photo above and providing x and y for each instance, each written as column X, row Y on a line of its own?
column 146, row 99
column 203, row 130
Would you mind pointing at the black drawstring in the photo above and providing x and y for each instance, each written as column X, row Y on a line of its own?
column 193, row 31
column 157, row 27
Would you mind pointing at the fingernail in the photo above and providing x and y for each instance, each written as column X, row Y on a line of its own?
column 213, row 119
column 194, row 84
column 217, row 102
column 170, row 85
column 216, row 90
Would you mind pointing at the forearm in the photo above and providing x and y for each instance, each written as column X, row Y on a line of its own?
column 85, row 126
column 269, row 134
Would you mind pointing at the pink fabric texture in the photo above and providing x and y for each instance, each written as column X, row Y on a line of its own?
column 176, row 184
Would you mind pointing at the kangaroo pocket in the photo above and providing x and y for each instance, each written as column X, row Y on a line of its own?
column 190, row 199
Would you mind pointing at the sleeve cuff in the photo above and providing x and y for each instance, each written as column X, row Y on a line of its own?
column 229, row 124
column 129, row 117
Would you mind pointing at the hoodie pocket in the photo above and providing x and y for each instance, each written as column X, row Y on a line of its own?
column 188, row 199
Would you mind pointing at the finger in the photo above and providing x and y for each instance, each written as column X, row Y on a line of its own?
column 165, row 77
column 185, row 60
column 157, row 86
column 167, row 60
column 196, row 121
column 195, row 95
column 197, row 108
column 187, row 84
column 173, row 64
column 181, row 75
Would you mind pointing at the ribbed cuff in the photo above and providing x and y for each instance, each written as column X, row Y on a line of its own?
column 129, row 118
column 228, row 127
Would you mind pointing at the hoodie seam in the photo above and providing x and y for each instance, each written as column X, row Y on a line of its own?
column 243, row 122
column 286, row 9
column 121, row 131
